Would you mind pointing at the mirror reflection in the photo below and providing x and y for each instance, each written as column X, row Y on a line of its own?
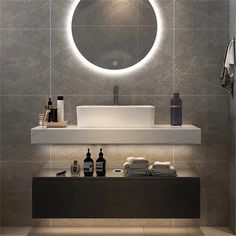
column 114, row 34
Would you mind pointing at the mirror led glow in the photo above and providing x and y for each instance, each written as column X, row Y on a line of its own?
column 130, row 69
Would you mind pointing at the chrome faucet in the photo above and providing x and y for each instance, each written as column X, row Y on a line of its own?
column 115, row 95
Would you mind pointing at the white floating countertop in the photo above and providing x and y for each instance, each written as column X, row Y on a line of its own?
column 159, row 134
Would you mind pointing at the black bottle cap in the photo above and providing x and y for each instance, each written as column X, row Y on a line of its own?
column 75, row 162
column 88, row 153
column 60, row 98
column 50, row 101
column 101, row 153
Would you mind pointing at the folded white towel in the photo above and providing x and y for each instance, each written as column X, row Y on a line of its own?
column 137, row 160
column 137, row 172
column 161, row 163
column 162, row 171
column 127, row 165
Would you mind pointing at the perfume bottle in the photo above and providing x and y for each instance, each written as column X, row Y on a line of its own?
column 75, row 168
column 176, row 110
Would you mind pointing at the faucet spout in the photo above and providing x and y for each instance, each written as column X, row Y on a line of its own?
column 116, row 95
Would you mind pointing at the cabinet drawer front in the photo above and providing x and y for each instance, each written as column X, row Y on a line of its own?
column 116, row 199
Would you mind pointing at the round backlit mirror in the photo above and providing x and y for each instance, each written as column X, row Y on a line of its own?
column 114, row 34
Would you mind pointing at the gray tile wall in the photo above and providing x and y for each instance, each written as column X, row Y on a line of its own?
column 36, row 60
column 232, row 162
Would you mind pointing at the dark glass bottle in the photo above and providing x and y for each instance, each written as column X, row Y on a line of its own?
column 176, row 110
column 52, row 115
column 50, row 107
column 88, row 165
column 101, row 165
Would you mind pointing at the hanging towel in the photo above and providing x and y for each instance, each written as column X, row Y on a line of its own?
column 228, row 71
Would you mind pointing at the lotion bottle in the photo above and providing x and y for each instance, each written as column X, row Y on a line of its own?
column 88, row 165
column 101, row 165
column 60, row 109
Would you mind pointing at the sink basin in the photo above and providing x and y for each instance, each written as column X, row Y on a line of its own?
column 115, row 116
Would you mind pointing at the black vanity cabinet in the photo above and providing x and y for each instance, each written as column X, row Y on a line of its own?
column 115, row 197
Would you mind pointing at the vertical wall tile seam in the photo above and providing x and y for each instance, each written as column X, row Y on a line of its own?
column 137, row 27
column 173, row 69
column 50, row 47
column 173, row 78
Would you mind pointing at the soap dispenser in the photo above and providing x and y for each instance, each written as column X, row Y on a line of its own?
column 101, row 164
column 88, row 165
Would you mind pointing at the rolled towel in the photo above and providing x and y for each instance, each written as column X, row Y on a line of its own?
column 137, row 160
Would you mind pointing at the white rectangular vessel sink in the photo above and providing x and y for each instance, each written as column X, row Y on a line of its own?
column 115, row 116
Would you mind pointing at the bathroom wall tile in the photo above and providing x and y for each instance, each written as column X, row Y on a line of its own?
column 161, row 103
column 70, row 76
column 165, row 8
column 88, row 14
column 60, row 13
column 25, row 62
column 210, row 114
column 25, row 14
column 112, row 153
column 214, row 179
column 112, row 222
column 158, row 72
column 106, row 13
column 198, row 61
column 202, row 14
column 16, row 187
column 20, row 115
column 106, row 45
column 65, row 165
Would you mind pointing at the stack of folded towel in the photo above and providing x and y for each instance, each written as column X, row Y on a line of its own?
column 135, row 166
column 162, row 169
